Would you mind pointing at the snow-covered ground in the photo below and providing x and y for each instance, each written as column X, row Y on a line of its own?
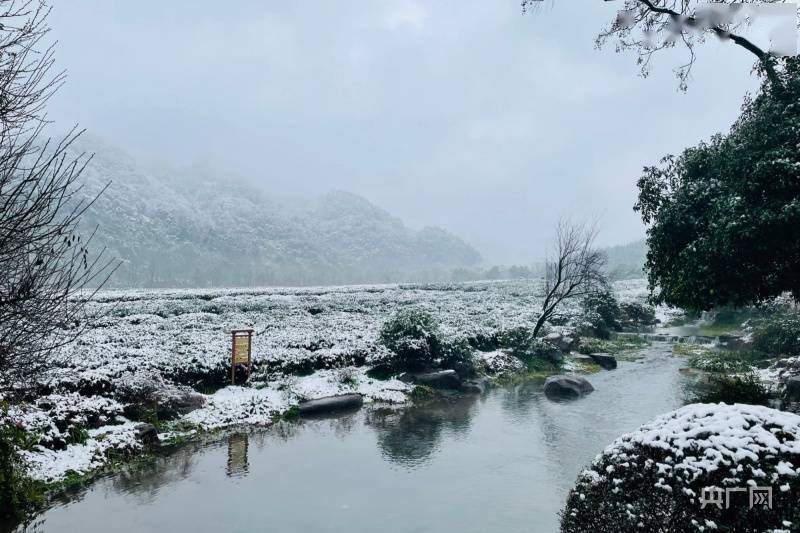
column 182, row 338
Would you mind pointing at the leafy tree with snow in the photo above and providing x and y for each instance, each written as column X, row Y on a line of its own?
column 723, row 216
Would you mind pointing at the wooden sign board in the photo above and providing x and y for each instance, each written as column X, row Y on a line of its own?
column 241, row 350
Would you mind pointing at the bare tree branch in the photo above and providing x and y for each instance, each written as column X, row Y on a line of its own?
column 649, row 26
column 47, row 273
column 577, row 270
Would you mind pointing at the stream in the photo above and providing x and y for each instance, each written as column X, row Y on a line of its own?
column 502, row 462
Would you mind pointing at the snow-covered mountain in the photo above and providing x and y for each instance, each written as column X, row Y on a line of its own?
column 192, row 228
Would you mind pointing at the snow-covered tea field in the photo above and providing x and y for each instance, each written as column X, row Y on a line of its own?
column 185, row 334
column 309, row 342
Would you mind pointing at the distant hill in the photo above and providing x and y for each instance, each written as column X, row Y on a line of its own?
column 190, row 228
column 626, row 261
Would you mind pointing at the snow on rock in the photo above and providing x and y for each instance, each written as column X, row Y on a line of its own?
column 500, row 362
column 780, row 371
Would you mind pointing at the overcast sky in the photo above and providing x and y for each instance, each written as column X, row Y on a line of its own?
column 465, row 115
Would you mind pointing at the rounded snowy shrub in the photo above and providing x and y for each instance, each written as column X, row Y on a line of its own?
column 530, row 350
column 601, row 313
column 457, row 354
column 634, row 315
column 519, row 340
column 413, row 336
column 674, row 473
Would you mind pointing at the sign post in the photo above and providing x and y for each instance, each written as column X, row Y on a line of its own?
column 241, row 351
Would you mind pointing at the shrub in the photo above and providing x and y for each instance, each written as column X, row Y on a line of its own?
column 656, row 478
column 733, row 389
column 601, row 312
column 346, row 376
column 718, row 362
column 721, row 361
column 634, row 315
column 413, row 336
column 527, row 348
column 422, row 393
column 458, row 355
column 779, row 334
column 612, row 346
column 518, row 340
column 20, row 496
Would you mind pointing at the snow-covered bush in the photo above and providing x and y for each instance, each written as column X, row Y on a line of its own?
column 658, row 477
column 414, row 337
column 601, row 313
column 636, row 314
column 746, row 388
column 528, row 349
column 457, row 354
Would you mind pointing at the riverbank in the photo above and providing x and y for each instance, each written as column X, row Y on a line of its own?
column 501, row 461
column 154, row 367
column 748, row 355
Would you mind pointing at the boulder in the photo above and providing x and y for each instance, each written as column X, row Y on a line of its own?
column 566, row 387
column 605, row 360
column 500, row 362
column 330, row 404
column 562, row 342
column 793, row 388
column 180, row 402
column 475, row 386
column 731, row 342
column 148, row 434
column 441, row 379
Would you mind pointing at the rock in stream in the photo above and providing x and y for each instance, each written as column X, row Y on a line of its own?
column 566, row 387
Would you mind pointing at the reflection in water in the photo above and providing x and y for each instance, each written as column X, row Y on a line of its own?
column 518, row 400
column 237, row 455
column 408, row 437
column 145, row 481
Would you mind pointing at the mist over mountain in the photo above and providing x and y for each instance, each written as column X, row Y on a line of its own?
column 626, row 261
column 191, row 227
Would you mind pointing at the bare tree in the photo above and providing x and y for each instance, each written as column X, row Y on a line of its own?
column 46, row 270
column 577, row 270
column 649, row 26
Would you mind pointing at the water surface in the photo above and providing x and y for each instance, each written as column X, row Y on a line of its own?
column 497, row 463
